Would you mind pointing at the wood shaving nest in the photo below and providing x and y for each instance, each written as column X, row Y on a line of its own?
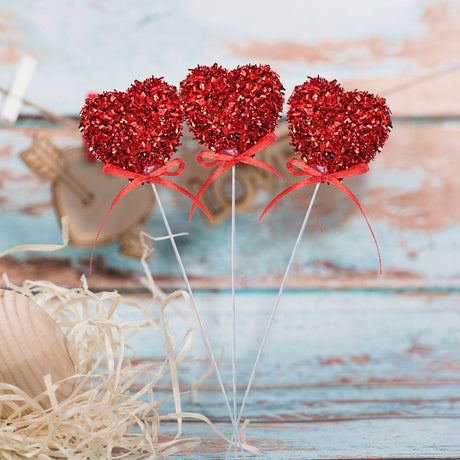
column 102, row 418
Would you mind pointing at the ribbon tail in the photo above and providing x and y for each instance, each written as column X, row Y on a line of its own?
column 292, row 188
column 178, row 188
column 125, row 190
column 263, row 165
column 220, row 170
column 339, row 185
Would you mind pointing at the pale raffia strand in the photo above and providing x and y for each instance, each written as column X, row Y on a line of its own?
column 102, row 418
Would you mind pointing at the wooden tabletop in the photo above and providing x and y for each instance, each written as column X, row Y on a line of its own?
column 345, row 374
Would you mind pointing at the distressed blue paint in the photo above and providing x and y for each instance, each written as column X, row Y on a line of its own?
column 405, row 181
column 89, row 46
column 330, row 403
column 364, row 439
column 347, row 244
column 313, row 328
column 398, row 403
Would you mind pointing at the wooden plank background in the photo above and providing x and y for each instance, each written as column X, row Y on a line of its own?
column 409, row 195
column 345, row 374
column 359, row 365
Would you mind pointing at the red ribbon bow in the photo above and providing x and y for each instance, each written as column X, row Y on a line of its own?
column 152, row 177
column 333, row 178
column 228, row 160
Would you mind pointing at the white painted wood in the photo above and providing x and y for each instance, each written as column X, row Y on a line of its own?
column 22, row 78
column 91, row 46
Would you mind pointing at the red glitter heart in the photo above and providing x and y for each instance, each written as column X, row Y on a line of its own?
column 137, row 129
column 336, row 129
column 231, row 110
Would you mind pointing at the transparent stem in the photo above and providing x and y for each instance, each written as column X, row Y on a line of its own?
column 270, row 321
column 197, row 314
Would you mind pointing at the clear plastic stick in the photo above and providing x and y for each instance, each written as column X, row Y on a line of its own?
column 235, row 409
column 270, row 321
column 198, row 317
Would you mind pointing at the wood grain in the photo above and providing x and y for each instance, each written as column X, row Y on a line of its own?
column 409, row 196
column 32, row 346
column 344, row 374
column 380, row 46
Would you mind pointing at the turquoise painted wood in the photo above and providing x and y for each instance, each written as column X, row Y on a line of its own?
column 409, row 198
column 409, row 195
column 366, row 439
column 344, row 375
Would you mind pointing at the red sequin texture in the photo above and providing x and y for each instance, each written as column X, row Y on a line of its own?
column 336, row 129
column 135, row 129
column 231, row 109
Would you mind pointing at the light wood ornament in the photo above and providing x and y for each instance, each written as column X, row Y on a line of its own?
column 84, row 193
column 31, row 346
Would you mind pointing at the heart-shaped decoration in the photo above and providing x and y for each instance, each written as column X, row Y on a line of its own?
column 336, row 129
column 231, row 110
column 136, row 129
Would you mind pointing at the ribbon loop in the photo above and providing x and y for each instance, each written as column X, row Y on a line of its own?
column 204, row 156
column 300, row 168
column 171, row 168
column 227, row 161
column 171, row 165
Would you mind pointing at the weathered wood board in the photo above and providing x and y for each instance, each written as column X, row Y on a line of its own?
column 344, row 374
column 384, row 46
column 409, row 196
column 406, row 51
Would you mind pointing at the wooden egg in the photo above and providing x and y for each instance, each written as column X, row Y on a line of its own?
column 31, row 346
